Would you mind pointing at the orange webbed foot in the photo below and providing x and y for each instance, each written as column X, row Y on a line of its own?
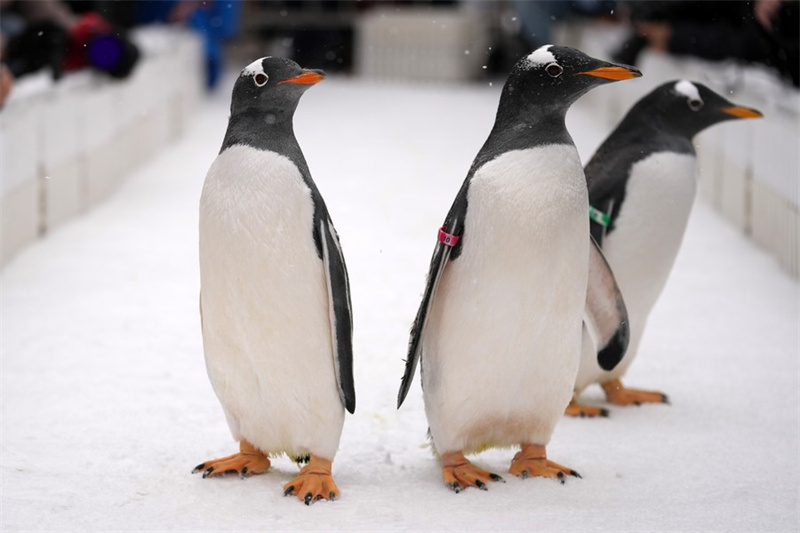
column 617, row 394
column 584, row 411
column 249, row 461
column 531, row 461
column 458, row 473
column 313, row 483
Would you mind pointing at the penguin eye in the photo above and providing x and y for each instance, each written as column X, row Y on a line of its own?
column 261, row 79
column 694, row 104
column 554, row 69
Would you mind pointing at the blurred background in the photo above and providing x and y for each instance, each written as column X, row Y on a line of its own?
column 68, row 64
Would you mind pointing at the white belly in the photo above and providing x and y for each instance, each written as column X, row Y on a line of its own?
column 502, row 341
column 266, row 327
column 645, row 242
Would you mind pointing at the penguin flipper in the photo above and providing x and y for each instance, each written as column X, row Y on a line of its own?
column 446, row 249
column 439, row 260
column 605, row 313
column 341, row 313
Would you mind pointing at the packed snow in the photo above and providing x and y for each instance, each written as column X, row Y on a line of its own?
column 106, row 406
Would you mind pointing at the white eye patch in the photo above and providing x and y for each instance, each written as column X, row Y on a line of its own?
column 689, row 90
column 542, row 56
column 254, row 68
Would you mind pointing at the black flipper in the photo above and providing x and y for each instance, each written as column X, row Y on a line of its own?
column 341, row 313
column 606, row 314
column 442, row 254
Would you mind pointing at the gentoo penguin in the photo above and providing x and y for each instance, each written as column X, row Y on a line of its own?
column 499, row 327
column 275, row 297
column 641, row 188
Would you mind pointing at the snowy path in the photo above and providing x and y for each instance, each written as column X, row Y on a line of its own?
column 106, row 406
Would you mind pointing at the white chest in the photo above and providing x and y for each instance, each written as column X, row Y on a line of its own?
column 507, row 313
column 649, row 229
column 254, row 196
column 525, row 197
column 259, row 269
column 265, row 309
column 524, row 259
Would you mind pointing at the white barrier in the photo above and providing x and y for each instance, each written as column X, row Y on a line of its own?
column 421, row 44
column 64, row 147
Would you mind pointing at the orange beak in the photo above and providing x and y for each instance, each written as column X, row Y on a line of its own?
column 307, row 77
column 741, row 112
column 613, row 73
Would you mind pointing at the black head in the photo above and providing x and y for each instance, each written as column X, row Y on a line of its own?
column 556, row 76
column 272, row 85
column 686, row 108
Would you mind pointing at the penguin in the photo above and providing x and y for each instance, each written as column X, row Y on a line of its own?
column 498, row 331
column 275, row 298
column 641, row 189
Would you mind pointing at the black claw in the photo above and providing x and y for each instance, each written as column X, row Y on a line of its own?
column 524, row 474
column 495, row 477
column 455, row 486
column 198, row 468
column 317, row 498
column 208, row 472
column 583, row 415
column 574, row 473
column 480, row 484
column 604, row 412
column 244, row 471
column 665, row 399
column 561, row 475
column 307, row 499
column 637, row 403
column 289, row 490
column 332, row 496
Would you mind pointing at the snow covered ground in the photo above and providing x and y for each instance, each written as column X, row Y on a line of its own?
column 106, row 406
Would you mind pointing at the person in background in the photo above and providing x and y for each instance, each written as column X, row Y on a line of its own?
column 216, row 21
column 760, row 31
column 46, row 33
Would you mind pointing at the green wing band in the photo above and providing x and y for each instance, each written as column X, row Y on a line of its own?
column 598, row 216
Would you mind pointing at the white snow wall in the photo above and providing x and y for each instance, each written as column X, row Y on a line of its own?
column 64, row 147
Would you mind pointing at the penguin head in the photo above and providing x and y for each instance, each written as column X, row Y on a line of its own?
column 272, row 85
column 687, row 107
column 556, row 76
